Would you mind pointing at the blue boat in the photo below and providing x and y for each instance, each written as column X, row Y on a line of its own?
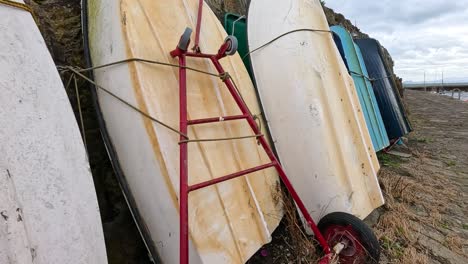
column 354, row 62
column 390, row 104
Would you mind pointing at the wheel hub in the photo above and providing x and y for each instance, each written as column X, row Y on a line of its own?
column 351, row 250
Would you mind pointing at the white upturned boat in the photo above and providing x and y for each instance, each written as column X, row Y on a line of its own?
column 230, row 221
column 48, row 207
column 312, row 108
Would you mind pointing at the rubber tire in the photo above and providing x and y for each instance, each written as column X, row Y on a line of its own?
column 233, row 47
column 367, row 236
column 184, row 41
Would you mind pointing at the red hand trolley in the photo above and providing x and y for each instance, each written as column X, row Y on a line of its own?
column 341, row 234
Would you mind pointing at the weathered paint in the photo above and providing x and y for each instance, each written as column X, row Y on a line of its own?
column 389, row 101
column 312, row 109
column 228, row 222
column 356, row 67
column 48, row 207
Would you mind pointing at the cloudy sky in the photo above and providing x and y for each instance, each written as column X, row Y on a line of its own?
column 421, row 35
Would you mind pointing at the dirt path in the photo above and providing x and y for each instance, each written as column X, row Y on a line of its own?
column 425, row 219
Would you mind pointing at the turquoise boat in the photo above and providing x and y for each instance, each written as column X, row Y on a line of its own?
column 357, row 69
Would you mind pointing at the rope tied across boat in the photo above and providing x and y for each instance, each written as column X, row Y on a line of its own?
column 285, row 34
column 80, row 72
column 368, row 78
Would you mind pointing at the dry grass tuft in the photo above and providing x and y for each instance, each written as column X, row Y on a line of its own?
column 412, row 256
column 455, row 243
column 300, row 243
column 415, row 203
column 290, row 243
column 394, row 227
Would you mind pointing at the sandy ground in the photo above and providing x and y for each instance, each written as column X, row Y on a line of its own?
column 425, row 219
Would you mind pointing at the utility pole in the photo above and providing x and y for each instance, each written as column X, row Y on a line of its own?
column 425, row 88
column 443, row 81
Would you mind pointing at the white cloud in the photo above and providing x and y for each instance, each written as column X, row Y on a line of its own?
column 421, row 35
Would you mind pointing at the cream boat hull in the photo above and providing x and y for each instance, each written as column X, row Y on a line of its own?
column 312, row 109
column 229, row 222
column 48, row 205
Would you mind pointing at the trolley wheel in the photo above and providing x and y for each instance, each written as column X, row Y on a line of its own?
column 233, row 44
column 185, row 39
column 360, row 243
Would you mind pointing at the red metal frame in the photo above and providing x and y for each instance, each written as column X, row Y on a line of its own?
column 393, row 143
column 185, row 189
column 196, row 47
